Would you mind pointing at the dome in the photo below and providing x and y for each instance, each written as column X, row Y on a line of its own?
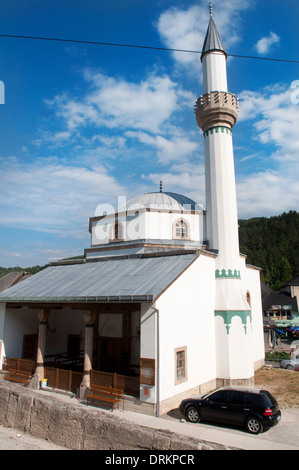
column 163, row 201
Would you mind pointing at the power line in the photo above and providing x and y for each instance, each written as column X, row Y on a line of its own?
column 98, row 43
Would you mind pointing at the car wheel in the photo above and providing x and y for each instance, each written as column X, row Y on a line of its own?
column 254, row 426
column 193, row 415
column 290, row 367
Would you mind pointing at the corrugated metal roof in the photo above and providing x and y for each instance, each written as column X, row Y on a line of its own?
column 128, row 279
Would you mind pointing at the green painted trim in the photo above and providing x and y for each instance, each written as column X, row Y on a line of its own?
column 228, row 315
column 227, row 274
column 215, row 130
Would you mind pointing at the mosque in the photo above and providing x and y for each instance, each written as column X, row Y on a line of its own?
column 162, row 301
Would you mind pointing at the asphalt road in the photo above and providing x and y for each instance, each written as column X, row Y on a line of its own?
column 284, row 435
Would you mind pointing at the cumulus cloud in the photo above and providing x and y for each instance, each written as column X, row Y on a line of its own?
column 118, row 103
column 264, row 44
column 273, row 117
column 186, row 28
column 168, row 149
column 55, row 197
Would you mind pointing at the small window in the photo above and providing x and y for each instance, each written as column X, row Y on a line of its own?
column 181, row 364
column 117, row 231
column 248, row 298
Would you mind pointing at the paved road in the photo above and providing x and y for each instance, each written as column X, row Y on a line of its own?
column 284, row 436
column 11, row 439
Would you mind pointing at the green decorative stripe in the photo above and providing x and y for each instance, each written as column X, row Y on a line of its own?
column 218, row 129
column 228, row 315
column 227, row 274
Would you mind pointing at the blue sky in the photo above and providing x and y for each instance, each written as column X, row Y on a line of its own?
column 83, row 125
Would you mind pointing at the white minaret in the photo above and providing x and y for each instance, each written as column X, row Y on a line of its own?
column 216, row 113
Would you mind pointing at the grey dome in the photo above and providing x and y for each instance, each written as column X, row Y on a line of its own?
column 163, row 201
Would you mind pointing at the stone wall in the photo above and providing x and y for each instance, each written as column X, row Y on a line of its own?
column 81, row 427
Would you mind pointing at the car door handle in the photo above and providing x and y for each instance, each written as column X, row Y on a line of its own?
column 246, row 409
column 223, row 406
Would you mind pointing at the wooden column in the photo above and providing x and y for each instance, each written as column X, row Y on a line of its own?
column 43, row 316
column 89, row 318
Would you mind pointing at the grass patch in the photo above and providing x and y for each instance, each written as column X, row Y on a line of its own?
column 282, row 384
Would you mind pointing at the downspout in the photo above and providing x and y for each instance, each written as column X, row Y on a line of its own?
column 156, row 310
column 158, row 364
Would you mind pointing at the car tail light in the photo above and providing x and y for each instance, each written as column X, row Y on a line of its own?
column 268, row 412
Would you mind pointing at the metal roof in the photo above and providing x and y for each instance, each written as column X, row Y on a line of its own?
column 163, row 200
column 126, row 279
column 212, row 40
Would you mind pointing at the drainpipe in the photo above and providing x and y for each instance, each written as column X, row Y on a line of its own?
column 158, row 364
column 156, row 310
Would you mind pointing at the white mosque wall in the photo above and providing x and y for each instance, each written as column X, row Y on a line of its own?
column 252, row 283
column 144, row 224
column 186, row 311
column 17, row 322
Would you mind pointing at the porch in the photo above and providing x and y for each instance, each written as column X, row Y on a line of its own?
column 101, row 345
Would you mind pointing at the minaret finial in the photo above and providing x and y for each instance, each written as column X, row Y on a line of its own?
column 211, row 9
column 161, row 187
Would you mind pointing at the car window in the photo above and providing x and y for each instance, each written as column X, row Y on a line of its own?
column 219, row 397
column 237, row 398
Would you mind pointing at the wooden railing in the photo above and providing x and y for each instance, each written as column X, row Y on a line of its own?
column 63, row 379
column 129, row 385
column 70, row 380
column 18, row 363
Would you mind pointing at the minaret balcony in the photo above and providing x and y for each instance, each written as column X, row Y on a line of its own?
column 217, row 108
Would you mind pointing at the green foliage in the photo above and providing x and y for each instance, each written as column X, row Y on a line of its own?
column 273, row 245
column 31, row 270
column 277, row 355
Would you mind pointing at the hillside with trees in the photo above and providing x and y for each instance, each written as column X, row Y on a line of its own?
column 273, row 245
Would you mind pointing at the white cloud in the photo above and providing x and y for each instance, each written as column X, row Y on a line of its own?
column 52, row 197
column 275, row 117
column 186, row 29
column 176, row 148
column 263, row 45
column 118, row 103
column 274, row 121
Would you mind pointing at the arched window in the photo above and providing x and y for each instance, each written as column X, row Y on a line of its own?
column 117, row 232
column 181, row 229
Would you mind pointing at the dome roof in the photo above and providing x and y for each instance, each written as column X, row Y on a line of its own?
column 163, row 201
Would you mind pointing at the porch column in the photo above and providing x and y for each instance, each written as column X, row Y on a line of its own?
column 89, row 318
column 43, row 316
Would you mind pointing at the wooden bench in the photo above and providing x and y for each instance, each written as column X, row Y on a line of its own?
column 21, row 376
column 100, row 393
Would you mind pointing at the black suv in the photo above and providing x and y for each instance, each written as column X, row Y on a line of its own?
column 257, row 410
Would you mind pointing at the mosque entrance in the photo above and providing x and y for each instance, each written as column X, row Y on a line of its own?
column 118, row 340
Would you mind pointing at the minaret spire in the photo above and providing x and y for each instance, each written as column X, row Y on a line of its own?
column 211, row 9
column 216, row 113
